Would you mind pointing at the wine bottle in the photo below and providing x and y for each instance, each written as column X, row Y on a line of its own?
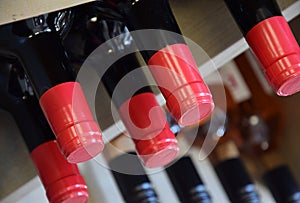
column 36, row 43
column 182, row 172
column 271, row 40
column 134, row 188
column 225, row 157
column 279, row 178
column 232, row 173
column 187, row 182
column 234, row 176
column 141, row 114
column 137, row 106
column 61, row 179
column 170, row 60
column 128, row 172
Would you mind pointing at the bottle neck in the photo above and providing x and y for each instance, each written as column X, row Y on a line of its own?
column 45, row 62
column 132, row 180
column 249, row 13
column 135, row 81
column 236, row 181
column 187, row 182
column 124, row 78
column 24, row 108
column 278, row 177
column 137, row 18
column 36, row 43
column 282, row 184
column 137, row 15
column 30, row 114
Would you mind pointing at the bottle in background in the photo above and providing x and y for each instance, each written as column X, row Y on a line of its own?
column 182, row 172
column 128, row 172
column 279, row 178
column 187, row 182
column 225, row 157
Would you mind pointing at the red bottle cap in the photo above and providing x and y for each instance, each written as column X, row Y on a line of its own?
column 146, row 123
column 276, row 48
column 158, row 151
column 187, row 96
column 72, row 122
column 62, row 180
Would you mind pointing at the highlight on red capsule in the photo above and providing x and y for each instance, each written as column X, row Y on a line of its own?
column 188, row 98
column 146, row 123
column 67, row 111
column 61, row 179
column 276, row 48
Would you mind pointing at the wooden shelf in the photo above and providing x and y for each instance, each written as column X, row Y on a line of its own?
column 11, row 11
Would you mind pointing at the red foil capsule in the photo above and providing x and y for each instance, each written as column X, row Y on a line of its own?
column 187, row 96
column 62, row 180
column 146, row 123
column 276, row 48
column 72, row 122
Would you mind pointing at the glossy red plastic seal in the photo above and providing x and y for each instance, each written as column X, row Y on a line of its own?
column 72, row 122
column 61, row 179
column 146, row 123
column 187, row 96
column 158, row 151
column 276, row 48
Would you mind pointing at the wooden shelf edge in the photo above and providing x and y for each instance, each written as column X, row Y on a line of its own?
column 11, row 11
